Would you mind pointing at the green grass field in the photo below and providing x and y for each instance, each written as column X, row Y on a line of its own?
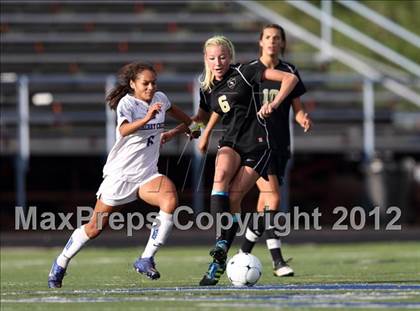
column 375, row 276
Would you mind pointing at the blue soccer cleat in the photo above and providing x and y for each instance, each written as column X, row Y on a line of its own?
column 147, row 267
column 218, row 266
column 55, row 278
column 214, row 272
column 219, row 252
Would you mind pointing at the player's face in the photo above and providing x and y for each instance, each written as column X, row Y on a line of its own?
column 218, row 60
column 271, row 42
column 144, row 86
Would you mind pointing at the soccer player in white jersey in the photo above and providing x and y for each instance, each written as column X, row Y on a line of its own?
column 131, row 168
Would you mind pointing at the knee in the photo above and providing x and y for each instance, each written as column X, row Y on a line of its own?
column 235, row 197
column 93, row 229
column 274, row 202
column 270, row 201
column 169, row 203
column 222, row 177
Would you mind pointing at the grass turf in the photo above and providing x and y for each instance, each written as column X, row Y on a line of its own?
column 103, row 279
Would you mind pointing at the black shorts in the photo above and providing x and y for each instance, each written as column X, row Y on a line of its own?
column 277, row 166
column 259, row 160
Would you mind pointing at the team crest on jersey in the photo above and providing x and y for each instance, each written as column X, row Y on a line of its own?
column 231, row 83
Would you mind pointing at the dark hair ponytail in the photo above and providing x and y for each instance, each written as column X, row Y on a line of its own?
column 282, row 35
column 126, row 74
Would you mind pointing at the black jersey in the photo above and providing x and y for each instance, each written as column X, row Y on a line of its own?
column 236, row 99
column 278, row 122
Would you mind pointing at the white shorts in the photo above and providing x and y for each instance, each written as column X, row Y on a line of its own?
column 114, row 192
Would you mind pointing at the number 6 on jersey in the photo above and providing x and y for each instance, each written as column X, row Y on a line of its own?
column 223, row 103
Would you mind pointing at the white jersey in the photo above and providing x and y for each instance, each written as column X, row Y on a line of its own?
column 135, row 156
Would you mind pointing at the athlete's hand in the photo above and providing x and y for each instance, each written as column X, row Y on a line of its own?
column 265, row 111
column 194, row 130
column 304, row 121
column 203, row 144
column 153, row 111
column 166, row 136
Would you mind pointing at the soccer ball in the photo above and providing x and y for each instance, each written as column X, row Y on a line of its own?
column 244, row 269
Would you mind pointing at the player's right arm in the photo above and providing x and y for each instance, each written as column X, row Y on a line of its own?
column 288, row 82
column 201, row 118
column 204, row 141
column 193, row 131
column 126, row 128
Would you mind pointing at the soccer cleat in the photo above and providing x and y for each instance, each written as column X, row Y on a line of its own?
column 218, row 266
column 282, row 269
column 147, row 267
column 55, row 278
column 215, row 271
column 219, row 252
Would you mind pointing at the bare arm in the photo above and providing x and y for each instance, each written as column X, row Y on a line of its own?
column 180, row 115
column 288, row 82
column 204, row 141
column 127, row 128
column 202, row 116
column 301, row 116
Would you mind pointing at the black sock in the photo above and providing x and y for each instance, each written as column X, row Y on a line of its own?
column 229, row 234
column 254, row 230
column 219, row 204
column 273, row 242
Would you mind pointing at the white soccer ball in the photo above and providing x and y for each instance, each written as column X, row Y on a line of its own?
column 244, row 269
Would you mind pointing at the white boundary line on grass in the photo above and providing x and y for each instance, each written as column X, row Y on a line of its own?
column 355, row 295
column 386, row 287
column 307, row 302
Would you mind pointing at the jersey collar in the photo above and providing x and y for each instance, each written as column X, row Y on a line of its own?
column 225, row 76
column 139, row 101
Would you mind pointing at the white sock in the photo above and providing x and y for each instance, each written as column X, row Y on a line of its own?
column 158, row 234
column 75, row 243
column 273, row 243
column 251, row 236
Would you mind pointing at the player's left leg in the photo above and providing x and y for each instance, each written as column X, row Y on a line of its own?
column 244, row 179
column 78, row 240
column 271, row 195
column 254, row 165
column 227, row 163
column 160, row 192
column 280, row 266
column 268, row 198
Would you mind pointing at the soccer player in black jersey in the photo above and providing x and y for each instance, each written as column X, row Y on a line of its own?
column 272, row 42
column 230, row 92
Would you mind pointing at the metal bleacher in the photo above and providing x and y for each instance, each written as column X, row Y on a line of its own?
column 71, row 49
